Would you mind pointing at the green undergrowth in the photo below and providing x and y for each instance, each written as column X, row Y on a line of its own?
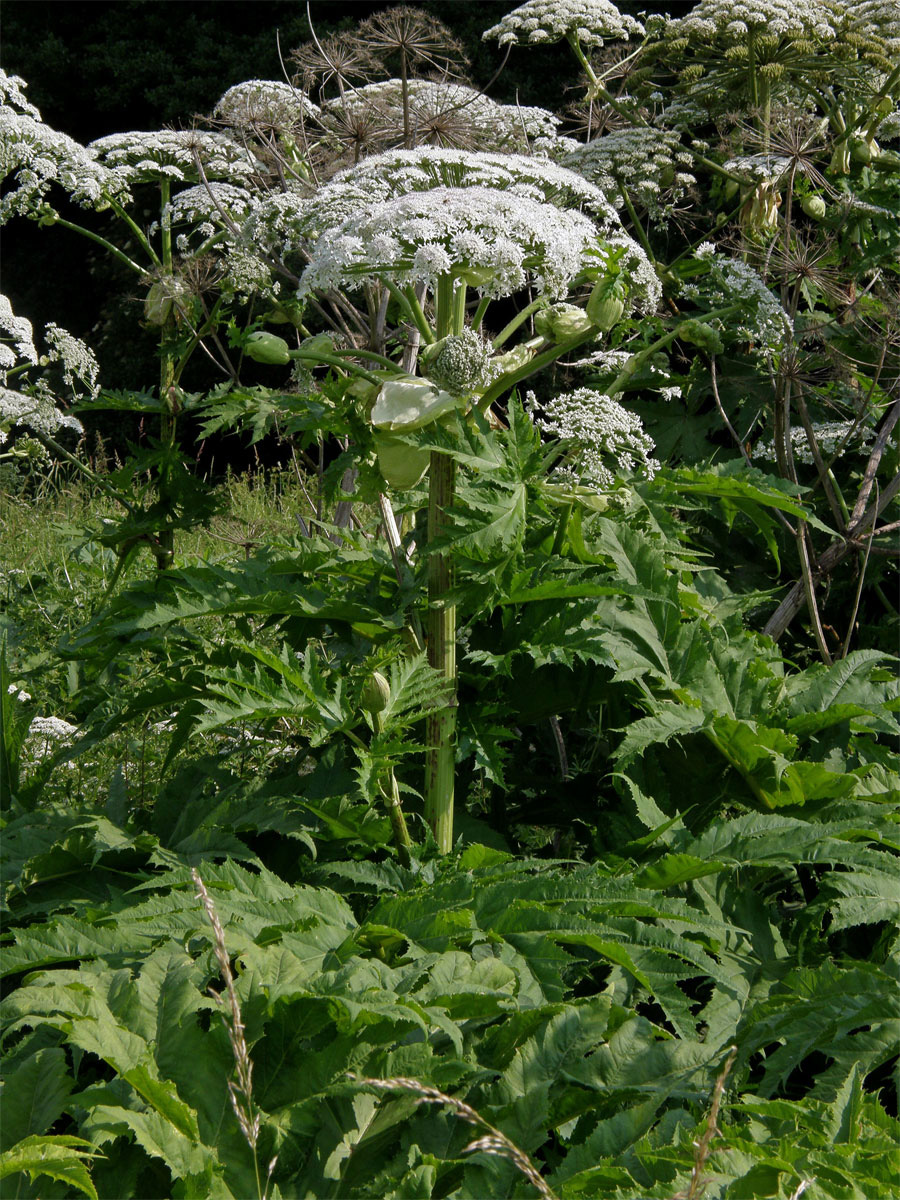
column 694, row 981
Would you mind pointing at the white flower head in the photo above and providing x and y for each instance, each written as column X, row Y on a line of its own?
column 12, row 93
column 34, row 410
column 831, row 437
column 732, row 21
column 18, row 331
column 644, row 162
column 40, row 157
column 79, row 365
column 602, row 438
column 398, row 172
column 730, row 281
column 264, row 104
column 517, row 239
column 875, row 18
column 216, row 202
column 175, row 154
column 541, row 21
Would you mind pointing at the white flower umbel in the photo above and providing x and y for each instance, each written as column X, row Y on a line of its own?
column 18, row 331
column 217, row 203
column 879, row 19
column 497, row 240
column 831, row 437
column 35, row 410
column 12, row 94
column 398, row 172
column 603, row 440
column 732, row 21
column 592, row 22
column 643, row 162
column 762, row 167
column 264, row 104
column 79, row 366
column 173, row 154
column 39, row 157
column 730, row 281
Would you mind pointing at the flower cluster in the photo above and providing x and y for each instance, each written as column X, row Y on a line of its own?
column 602, row 438
column 730, row 281
column 175, row 154
column 732, row 20
column 207, row 207
column 12, row 95
column 763, row 167
column 398, row 172
column 494, row 239
column 264, row 104
column 643, row 162
column 831, row 437
column 35, row 410
column 41, row 157
column 591, row 21
column 461, row 364
column 880, row 19
column 18, row 331
column 79, row 366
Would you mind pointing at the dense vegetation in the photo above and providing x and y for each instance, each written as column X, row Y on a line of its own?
column 500, row 796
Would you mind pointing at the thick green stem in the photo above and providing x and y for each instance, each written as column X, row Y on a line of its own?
column 440, row 758
column 440, row 754
column 482, row 308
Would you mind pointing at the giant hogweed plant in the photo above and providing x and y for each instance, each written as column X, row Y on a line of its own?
column 588, row 670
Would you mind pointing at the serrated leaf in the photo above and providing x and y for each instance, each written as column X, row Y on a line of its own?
column 58, row 1157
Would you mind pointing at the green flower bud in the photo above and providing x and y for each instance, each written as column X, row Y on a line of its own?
column 267, row 348
column 560, row 322
column 605, row 309
column 376, row 693
column 160, row 300
column 815, row 207
column 699, row 334
column 864, row 150
column 320, row 343
column 157, row 304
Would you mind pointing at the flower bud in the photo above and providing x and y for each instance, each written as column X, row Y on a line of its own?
column 815, row 207
column 698, row 333
column 376, row 693
column 319, row 343
column 560, row 322
column 864, row 150
column 267, row 348
column 407, row 403
column 160, row 300
column 512, row 360
column 603, row 308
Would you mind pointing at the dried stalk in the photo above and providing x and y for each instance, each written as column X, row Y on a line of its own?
column 494, row 1141
column 703, row 1146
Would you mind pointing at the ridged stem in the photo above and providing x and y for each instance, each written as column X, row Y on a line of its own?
column 440, row 758
column 440, row 754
